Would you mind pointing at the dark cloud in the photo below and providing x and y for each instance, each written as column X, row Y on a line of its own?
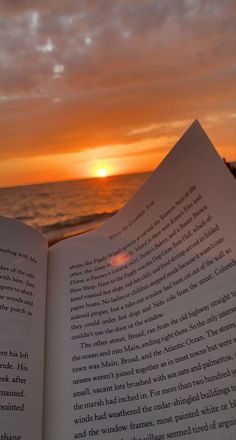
column 76, row 74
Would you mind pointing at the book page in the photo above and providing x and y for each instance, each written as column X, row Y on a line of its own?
column 141, row 312
column 23, row 261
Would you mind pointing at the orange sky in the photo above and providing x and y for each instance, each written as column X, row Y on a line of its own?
column 111, row 84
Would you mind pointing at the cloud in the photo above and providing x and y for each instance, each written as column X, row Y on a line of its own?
column 76, row 74
column 155, row 126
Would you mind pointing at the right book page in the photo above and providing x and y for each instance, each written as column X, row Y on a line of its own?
column 141, row 312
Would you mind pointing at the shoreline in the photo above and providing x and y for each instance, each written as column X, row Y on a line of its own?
column 73, row 232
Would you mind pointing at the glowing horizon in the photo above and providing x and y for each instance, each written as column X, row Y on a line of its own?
column 79, row 92
column 72, row 166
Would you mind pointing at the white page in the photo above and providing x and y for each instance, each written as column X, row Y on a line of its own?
column 23, row 264
column 141, row 322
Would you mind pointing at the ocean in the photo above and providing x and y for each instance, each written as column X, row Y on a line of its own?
column 62, row 209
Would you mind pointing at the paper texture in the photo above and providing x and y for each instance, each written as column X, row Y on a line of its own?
column 141, row 312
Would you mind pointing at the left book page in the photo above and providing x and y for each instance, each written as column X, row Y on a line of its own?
column 23, row 274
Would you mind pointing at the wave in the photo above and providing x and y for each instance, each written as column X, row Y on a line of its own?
column 77, row 221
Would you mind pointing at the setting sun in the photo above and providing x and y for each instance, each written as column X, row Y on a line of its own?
column 102, row 172
column 98, row 168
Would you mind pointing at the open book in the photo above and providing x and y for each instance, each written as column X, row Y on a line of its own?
column 126, row 332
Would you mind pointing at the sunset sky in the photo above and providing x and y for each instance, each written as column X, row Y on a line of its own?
column 111, row 84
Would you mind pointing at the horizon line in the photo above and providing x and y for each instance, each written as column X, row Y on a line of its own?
column 74, row 180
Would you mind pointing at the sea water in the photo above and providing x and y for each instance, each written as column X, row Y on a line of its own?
column 57, row 209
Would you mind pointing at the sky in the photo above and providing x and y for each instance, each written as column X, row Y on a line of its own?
column 87, row 85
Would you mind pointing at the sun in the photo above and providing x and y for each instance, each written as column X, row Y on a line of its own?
column 101, row 169
column 102, row 172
